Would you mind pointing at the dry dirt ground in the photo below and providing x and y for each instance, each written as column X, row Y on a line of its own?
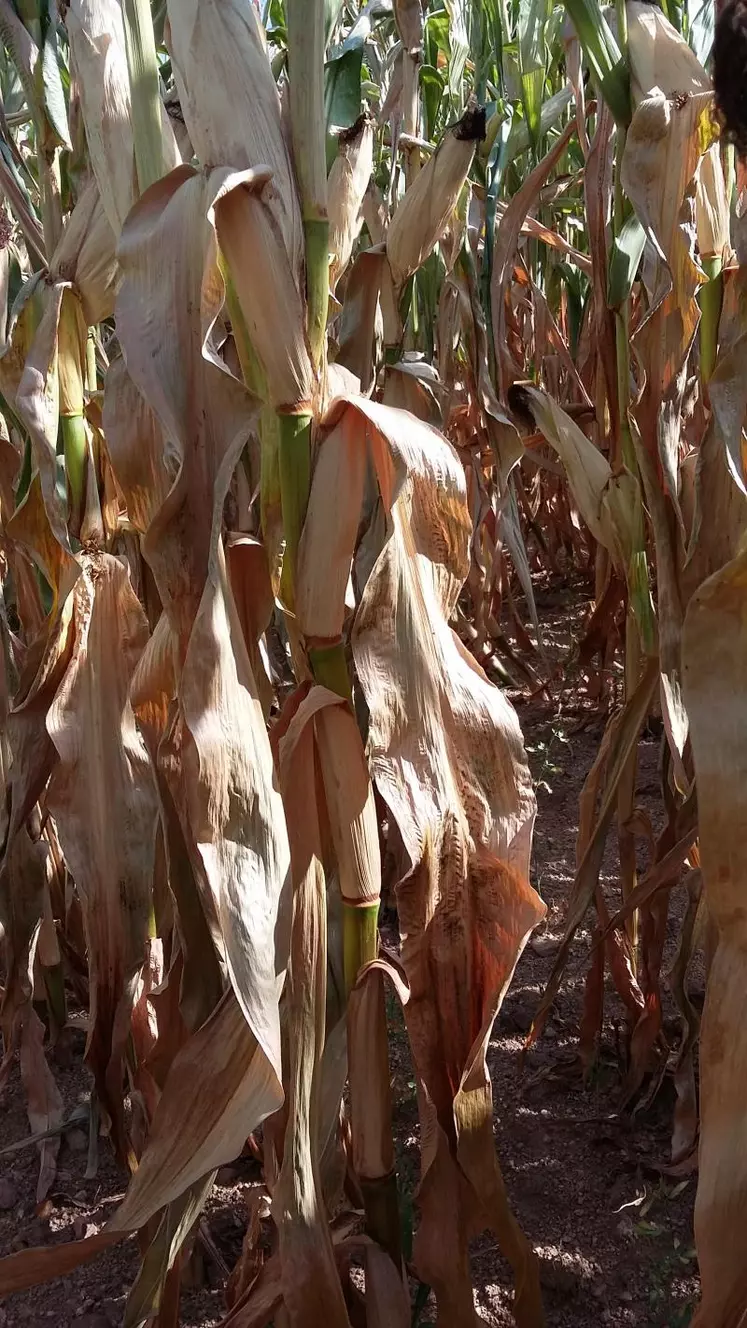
column 614, row 1233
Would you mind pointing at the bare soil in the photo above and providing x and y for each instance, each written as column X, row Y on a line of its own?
column 613, row 1231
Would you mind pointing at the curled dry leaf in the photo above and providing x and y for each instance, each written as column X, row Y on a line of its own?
column 86, row 256
column 102, row 766
column 311, row 1286
column 230, row 102
column 246, row 222
column 231, row 814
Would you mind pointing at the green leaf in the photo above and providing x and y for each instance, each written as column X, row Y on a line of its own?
column 458, row 50
column 602, row 54
column 342, row 93
column 533, row 15
column 432, row 85
column 624, row 259
column 342, row 88
column 550, row 113
column 53, row 91
column 331, row 14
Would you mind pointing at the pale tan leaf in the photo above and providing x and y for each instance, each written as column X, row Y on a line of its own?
column 340, row 469
column 245, row 214
column 249, row 575
column 103, row 764
column 231, row 814
column 714, row 684
column 445, row 749
column 230, row 102
column 38, row 404
column 660, row 58
column 311, row 1287
column 144, row 469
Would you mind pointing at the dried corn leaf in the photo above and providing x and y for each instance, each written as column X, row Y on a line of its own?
column 659, row 56
column 102, row 766
column 224, row 1073
column 22, row 898
column 311, row 1286
column 32, row 750
column 38, row 404
column 44, row 1105
column 664, row 145
column 86, row 256
column 621, row 738
column 232, row 816
column 714, row 682
column 230, row 102
column 245, row 215
column 249, row 575
column 507, row 232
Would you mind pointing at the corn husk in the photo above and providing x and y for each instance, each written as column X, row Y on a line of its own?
column 712, row 207
column 659, row 56
column 422, row 216
column 347, row 185
column 606, row 501
column 244, row 209
column 86, row 256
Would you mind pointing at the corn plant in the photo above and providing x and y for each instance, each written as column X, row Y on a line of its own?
column 325, row 326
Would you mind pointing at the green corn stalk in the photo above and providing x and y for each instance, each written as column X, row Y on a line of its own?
column 142, row 65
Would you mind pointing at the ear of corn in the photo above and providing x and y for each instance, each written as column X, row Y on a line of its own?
column 422, row 216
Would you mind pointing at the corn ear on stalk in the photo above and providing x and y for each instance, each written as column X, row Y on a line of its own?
column 712, row 207
column 271, row 303
column 348, row 181
column 86, row 256
column 659, row 57
column 424, row 212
